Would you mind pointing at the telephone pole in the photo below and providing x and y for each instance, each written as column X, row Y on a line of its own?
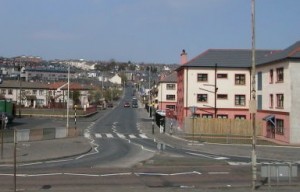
column 253, row 98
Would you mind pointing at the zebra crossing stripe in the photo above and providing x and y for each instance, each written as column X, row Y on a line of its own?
column 132, row 136
column 121, row 136
column 143, row 136
column 98, row 135
column 108, row 135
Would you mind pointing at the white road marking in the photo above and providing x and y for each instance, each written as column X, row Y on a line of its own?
column 208, row 156
column 98, row 135
column 218, row 173
column 109, row 135
column 121, row 135
column 143, row 136
column 81, row 174
column 132, row 136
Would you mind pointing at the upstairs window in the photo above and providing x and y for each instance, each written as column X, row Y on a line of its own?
column 170, row 86
column 271, row 74
column 279, row 74
column 271, row 102
column 222, row 96
column 222, row 75
column 170, row 97
column 202, row 77
column 240, row 79
column 279, row 99
column 240, row 100
column 201, row 97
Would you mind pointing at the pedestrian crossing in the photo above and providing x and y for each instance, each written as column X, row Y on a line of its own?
column 120, row 135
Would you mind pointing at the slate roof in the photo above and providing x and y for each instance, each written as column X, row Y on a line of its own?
column 228, row 58
column 241, row 58
column 292, row 52
column 8, row 84
column 171, row 78
column 24, row 84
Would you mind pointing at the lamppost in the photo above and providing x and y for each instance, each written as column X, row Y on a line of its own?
column 253, row 98
column 68, row 99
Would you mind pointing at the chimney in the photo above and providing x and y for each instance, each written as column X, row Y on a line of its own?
column 183, row 57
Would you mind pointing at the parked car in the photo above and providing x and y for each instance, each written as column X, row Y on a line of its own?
column 110, row 105
column 126, row 104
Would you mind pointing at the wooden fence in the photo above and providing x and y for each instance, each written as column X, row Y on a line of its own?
column 221, row 130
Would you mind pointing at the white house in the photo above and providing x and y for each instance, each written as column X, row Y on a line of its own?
column 116, row 79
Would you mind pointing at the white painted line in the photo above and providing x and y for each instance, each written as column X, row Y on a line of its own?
column 81, row 174
column 121, row 135
column 208, row 156
column 98, row 135
column 116, row 174
column 109, row 135
column 45, row 174
column 218, row 173
column 143, row 136
column 132, row 136
column 187, row 173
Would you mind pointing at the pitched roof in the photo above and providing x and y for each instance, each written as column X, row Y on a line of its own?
column 292, row 52
column 73, row 86
column 23, row 84
column 231, row 58
column 171, row 78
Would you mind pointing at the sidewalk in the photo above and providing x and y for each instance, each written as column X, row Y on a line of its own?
column 45, row 150
column 280, row 153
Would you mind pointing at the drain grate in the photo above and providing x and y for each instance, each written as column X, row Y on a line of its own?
column 46, row 187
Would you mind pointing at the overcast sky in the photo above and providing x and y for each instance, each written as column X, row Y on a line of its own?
column 142, row 30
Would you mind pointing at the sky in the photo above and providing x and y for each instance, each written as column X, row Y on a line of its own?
column 149, row 31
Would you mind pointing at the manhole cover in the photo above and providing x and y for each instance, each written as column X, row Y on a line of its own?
column 46, row 187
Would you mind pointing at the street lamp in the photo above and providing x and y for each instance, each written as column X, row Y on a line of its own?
column 252, row 106
column 68, row 99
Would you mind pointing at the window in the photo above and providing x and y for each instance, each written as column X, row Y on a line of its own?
column 3, row 91
column 170, row 107
column 271, row 76
column 279, row 99
column 240, row 116
column 280, row 126
column 202, row 97
column 170, row 97
column 208, row 116
column 170, row 86
column 222, row 96
column 222, row 116
column 222, row 76
column 259, row 81
column 240, row 100
column 202, row 77
column 271, row 103
column 10, row 91
column 41, row 92
column 279, row 74
column 34, row 92
column 240, row 79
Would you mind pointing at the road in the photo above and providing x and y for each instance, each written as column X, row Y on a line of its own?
column 123, row 157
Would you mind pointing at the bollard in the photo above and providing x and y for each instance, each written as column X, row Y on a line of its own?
column 152, row 127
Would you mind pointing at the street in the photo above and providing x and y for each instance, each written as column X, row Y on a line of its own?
column 125, row 156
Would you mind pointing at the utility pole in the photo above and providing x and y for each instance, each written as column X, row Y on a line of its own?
column 68, row 99
column 149, row 100
column 253, row 98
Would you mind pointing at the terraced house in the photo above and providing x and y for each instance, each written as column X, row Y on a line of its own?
column 218, row 83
